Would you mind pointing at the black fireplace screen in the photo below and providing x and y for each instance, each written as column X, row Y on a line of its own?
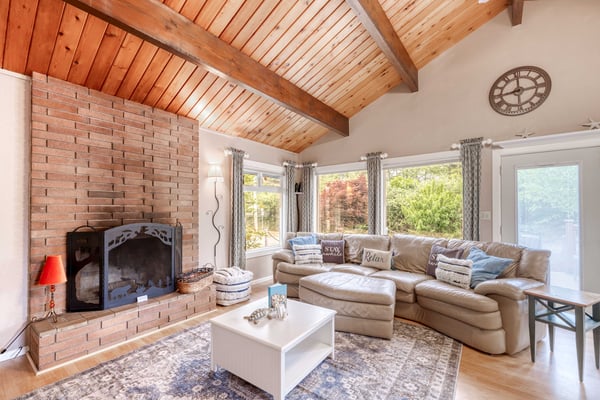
column 121, row 265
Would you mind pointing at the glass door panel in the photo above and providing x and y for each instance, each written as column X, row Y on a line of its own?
column 549, row 200
column 548, row 218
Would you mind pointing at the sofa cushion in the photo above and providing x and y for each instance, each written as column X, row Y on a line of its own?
column 303, row 269
column 361, row 289
column 482, row 320
column 404, row 281
column 454, row 271
column 329, row 236
column 354, row 269
column 465, row 298
column 486, row 267
column 379, row 259
column 355, row 243
column 411, row 253
column 333, row 251
column 432, row 263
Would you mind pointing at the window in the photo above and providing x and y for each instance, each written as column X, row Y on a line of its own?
column 343, row 202
column 262, row 202
column 425, row 200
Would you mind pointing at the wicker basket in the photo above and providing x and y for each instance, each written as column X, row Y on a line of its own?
column 195, row 280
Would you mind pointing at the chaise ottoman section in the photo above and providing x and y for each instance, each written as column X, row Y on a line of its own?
column 364, row 305
column 290, row 274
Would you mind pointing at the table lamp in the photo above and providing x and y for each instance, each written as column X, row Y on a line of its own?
column 53, row 273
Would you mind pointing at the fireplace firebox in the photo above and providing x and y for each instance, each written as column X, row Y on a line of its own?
column 121, row 265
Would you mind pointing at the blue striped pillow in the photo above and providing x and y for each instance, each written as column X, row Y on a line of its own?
column 308, row 254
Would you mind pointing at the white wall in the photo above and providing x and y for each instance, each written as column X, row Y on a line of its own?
column 212, row 148
column 15, row 116
column 560, row 36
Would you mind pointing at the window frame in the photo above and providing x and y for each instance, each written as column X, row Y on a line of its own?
column 422, row 160
column 260, row 168
column 329, row 170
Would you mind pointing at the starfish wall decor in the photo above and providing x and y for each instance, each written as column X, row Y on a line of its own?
column 525, row 133
column 592, row 124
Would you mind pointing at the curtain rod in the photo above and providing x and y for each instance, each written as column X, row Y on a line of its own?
column 382, row 156
column 286, row 163
column 228, row 152
column 486, row 142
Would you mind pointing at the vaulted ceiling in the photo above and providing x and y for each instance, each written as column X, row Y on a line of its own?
column 283, row 73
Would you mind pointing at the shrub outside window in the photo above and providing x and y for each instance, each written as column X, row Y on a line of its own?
column 343, row 202
column 425, row 200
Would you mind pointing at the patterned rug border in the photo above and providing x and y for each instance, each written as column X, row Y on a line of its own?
column 223, row 385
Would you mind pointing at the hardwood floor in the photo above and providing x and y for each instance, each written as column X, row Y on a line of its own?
column 481, row 376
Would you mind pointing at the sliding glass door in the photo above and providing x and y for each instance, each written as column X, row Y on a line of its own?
column 550, row 201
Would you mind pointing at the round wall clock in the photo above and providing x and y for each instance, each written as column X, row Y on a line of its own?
column 520, row 90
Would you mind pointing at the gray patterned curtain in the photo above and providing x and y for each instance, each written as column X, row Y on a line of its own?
column 308, row 190
column 290, row 192
column 374, row 192
column 237, row 248
column 470, row 157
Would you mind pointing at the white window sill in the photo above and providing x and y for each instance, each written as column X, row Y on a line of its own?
column 267, row 251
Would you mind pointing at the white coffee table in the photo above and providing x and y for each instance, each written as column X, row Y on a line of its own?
column 274, row 355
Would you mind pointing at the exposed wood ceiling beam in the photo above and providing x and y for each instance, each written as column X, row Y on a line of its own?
column 516, row 14
column 157, row 23
column 374, row 19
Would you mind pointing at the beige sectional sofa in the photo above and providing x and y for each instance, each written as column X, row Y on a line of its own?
column 493, row 317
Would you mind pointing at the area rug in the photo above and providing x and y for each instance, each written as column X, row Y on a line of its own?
column 417, row 363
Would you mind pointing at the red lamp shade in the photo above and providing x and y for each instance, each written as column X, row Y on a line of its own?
column 53, row 272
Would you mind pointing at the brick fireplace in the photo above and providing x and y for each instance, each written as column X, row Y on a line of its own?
column 102, row 161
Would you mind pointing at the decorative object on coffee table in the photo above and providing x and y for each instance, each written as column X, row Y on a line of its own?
column 259, row 314
column 276, row 289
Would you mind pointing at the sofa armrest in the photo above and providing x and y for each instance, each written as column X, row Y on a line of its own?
column 511, row 288
column 284, row 255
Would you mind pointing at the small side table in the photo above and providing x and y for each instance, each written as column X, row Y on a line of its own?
column 557, row 302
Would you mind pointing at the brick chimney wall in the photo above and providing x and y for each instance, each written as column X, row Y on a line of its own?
column 103, row 161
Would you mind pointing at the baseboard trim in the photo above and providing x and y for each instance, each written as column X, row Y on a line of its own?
column 262, row 280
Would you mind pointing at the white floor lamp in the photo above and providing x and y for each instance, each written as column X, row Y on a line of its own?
column 215, row 174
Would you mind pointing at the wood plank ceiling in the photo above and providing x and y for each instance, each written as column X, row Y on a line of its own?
column 319, row 46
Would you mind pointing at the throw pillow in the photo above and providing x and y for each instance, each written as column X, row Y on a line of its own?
column 377, row 259
column 333, row 251
column 486, row 267
column 308, row 254
column 454, row 271
column 308, row 239
column 435, row 250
